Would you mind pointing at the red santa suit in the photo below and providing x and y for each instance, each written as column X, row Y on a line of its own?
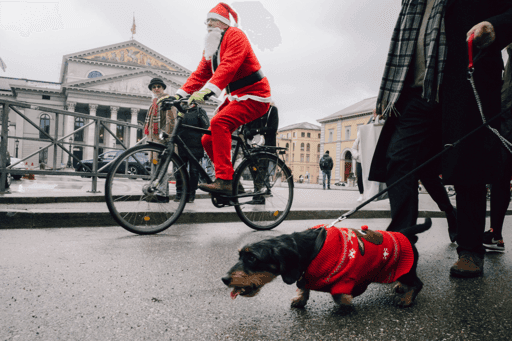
column 236, row 60
column 351, row 259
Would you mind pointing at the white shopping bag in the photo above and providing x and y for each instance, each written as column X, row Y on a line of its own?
column 369, row 136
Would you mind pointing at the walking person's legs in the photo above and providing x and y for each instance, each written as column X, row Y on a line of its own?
column 416, row 126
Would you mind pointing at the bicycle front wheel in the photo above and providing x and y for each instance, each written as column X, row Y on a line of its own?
column 266, row 186
column 130, row 199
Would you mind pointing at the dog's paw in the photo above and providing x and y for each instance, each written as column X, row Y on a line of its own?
column 299, row 302
column 343, row 299
column 301, row 299
column 406, row 294
column 399, row 288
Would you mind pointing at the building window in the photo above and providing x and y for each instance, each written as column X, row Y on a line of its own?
column 331, row 135
column 309, row 134
column 287, row 146
column 347, row 133
column 302, row 134
column 102, row 135
column 120, row 133
column 318, row 148
column 307, row 157
column 286, row 157
column 140, row 134
column 44, row 124
column 293, row 134
column 79, row 136
column 301, row 157
column 287, row 135
column 307, row 147
column 302, row 147
column 293, row 146
column 94, row 74
column 319, row 135
column 293, row 157
column 318, row 158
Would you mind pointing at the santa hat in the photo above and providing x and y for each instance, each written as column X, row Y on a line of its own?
column 221, row 12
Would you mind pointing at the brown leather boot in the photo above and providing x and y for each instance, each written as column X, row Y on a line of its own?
column 468, row 265
column 218, row 186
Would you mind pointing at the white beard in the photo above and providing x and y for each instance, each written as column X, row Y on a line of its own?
column 211, row 42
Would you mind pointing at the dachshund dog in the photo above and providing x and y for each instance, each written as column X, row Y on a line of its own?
column 340, row 261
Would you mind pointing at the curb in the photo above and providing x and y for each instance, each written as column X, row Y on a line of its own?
column 24, row 219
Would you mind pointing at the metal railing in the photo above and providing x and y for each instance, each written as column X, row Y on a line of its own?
column 56, row 142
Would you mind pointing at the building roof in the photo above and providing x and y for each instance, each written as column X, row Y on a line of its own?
column 362, row 107
column 302, row 125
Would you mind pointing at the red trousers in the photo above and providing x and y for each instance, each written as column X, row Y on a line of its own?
column 230, row 116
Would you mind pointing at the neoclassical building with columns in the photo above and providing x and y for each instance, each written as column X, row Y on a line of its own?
column 109, row 81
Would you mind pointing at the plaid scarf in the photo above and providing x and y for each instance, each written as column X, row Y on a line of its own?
column 153, row 110
column 402, row 48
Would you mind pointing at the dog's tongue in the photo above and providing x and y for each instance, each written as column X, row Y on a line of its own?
column 233, row 294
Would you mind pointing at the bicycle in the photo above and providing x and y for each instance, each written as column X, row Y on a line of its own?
column 141, row 203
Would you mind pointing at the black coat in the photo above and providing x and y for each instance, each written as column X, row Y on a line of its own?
column 196, row 117
column 470, row 161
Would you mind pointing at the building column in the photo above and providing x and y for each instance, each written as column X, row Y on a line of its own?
column 89, row 152
column 68, row 128
column 133, row 131
column 113, row 126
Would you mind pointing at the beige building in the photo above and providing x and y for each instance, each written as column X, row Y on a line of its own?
column 338, row 133
column 303, row 155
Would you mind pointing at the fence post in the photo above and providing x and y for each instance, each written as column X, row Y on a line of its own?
column 3, row 148
column 55, row 149
column 94, row 188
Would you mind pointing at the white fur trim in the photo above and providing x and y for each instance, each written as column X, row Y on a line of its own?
column 246, row 97
column 219, row 17
column 210, row 86
column 181, row 93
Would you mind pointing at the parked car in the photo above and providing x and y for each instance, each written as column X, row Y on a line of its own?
column 134, row 167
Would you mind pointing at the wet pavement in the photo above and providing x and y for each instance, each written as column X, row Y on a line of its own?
column 104, row 283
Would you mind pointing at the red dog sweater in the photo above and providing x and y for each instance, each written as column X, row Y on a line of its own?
column 351, row 259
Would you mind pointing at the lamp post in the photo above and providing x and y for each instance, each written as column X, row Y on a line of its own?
column 69, row 165
column 17, row 143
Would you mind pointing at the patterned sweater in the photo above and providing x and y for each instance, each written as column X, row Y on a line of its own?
column 351, row 259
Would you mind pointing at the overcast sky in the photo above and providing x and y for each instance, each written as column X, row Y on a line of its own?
column 319, row 56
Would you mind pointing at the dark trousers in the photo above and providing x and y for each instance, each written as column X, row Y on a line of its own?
column 416, row 138
column 500, row 200
column 326, row 174
column 194, row 178
column 359, row 174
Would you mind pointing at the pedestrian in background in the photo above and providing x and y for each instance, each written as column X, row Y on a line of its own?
column 157, row 118
column 428, row 103
column 356, row 156
column 500, row 187
column 326, row 165
column 196, row 117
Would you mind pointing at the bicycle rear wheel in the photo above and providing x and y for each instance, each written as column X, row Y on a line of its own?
column 129, row 198
column 268, row 184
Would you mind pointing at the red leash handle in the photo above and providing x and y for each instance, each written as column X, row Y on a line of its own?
column 470, row 51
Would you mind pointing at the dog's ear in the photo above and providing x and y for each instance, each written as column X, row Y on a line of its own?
column 289, row 262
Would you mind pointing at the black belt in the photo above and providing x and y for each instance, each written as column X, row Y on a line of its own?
column 251, row 79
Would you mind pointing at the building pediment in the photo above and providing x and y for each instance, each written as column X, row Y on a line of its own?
column 132, row 82
column 129, row 54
